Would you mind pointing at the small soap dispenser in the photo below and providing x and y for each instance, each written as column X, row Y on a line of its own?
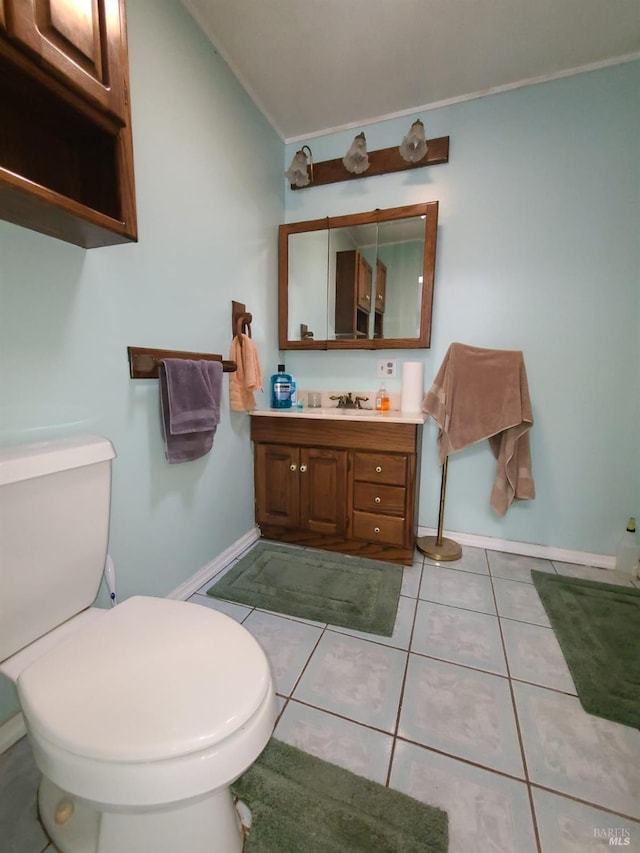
column 628, row 552
column 382, row 399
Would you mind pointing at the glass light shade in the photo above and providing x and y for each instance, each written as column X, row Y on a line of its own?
column 356, row 160
column 414, row 145
column 298, row 172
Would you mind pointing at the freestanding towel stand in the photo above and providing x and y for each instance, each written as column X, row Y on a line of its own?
column 436, row 547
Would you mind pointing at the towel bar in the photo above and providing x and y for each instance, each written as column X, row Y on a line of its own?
column 144, row 361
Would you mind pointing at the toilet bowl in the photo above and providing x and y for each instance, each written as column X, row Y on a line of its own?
column 140, row 721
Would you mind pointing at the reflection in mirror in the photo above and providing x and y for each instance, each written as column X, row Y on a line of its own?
column 308, row 284
column 352, row 261
column 400, row 254
column 361, row 281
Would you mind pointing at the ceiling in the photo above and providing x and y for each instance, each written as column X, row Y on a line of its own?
column 314, row 66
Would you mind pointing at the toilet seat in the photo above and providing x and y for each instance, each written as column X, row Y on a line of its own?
column 118, row 690
column 147, row 702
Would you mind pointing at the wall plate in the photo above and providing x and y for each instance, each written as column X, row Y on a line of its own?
column 386, row 368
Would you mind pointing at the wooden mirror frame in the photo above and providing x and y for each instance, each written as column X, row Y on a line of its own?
column 429, row 210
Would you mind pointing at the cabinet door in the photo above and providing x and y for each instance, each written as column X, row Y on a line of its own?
column 277, row 483
column 364, row 280
column 82, row 42
column 323, row 490
column 381, row 286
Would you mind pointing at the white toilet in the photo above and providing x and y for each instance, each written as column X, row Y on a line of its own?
column 140, row 717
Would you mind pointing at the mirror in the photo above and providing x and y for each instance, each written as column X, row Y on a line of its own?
column 362, row 281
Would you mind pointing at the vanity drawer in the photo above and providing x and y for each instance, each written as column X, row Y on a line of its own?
column 372, row 497
column 380, row 468
column 378, row 528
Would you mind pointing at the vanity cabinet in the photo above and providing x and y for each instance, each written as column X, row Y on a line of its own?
column 301, row 488
column 354, row 278
column 66, row 152
column 341, row 485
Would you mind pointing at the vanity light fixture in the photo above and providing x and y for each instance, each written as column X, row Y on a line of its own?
column 298, row 171
column 360, row 163
column 356, row 159
column 414, row 145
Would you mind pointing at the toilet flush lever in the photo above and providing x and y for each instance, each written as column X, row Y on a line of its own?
column 110, row 579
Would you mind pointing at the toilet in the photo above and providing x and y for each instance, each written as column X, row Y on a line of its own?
column 140, row 716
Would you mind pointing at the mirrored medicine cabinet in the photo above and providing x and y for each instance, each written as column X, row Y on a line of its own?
column 360, row 281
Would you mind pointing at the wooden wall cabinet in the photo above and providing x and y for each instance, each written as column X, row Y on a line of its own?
column 380, row 297
column 354, row 278
column 66, row 151
column 347, row 486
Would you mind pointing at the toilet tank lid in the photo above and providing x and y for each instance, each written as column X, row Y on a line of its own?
column 38, row 458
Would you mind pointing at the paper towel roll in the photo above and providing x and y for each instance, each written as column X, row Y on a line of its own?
column 412, row 386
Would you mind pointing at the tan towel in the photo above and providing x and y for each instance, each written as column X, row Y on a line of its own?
column 483, row 393
column 248, row 377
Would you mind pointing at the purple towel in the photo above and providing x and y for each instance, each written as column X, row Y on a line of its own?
column 189, row 406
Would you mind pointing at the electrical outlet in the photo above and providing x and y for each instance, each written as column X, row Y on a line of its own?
column 386, row 368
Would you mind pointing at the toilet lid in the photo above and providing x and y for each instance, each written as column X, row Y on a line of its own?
column 154, row 678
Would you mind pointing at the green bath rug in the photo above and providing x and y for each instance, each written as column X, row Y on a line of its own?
column 300, row 804
column 598, row 628
column 350, row 592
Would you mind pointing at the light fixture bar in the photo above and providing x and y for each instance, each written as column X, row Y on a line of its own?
column 381, row 162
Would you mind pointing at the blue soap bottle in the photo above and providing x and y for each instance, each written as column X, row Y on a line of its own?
column 282, row 386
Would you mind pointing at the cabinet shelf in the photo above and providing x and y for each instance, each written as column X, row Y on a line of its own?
column 66, row 164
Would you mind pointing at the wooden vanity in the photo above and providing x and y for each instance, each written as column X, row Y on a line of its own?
column 339, row 482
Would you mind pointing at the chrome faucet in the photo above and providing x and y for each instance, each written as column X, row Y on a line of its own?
column 346, row 401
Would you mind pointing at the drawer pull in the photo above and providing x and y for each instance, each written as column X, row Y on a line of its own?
column 292, row 467
column 378, row 469
column 303, row 468
column 376, row 530
column 377, row 500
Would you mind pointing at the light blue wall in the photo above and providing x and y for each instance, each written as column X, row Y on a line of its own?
column 210, row 196
column 538, row 250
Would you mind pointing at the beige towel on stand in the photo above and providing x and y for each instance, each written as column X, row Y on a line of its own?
column 483, row 393
column 248, row 376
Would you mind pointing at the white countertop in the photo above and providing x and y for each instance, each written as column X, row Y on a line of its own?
column 369, row 415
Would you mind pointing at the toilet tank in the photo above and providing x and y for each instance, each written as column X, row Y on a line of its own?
column 54, row 528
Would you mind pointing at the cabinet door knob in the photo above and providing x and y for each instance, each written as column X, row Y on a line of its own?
column 303, row 468
column 377, row 500
column 378, row 469
column 292, row 467
column 376, row 530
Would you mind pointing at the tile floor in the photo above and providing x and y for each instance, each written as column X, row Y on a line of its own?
column 468, row 706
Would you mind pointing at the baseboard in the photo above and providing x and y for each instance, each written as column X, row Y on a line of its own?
column 546, row 552
column 193, row 584
column 11, row 731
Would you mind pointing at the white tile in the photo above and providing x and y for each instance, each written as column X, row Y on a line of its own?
column 356, row 748
column 591, row 573
column 459, row 636
column 488, row 813
column 20, row 831
column 566, row 826
column 460, row 711
column 401, row 629
column 534, row 655
column 239, row 612
column 576, row 753
column 459, row 589
column 411, row 576
column 517, row 600
column 354, row 678
column 472, row 560
column 516, row 567
column 287, row 644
